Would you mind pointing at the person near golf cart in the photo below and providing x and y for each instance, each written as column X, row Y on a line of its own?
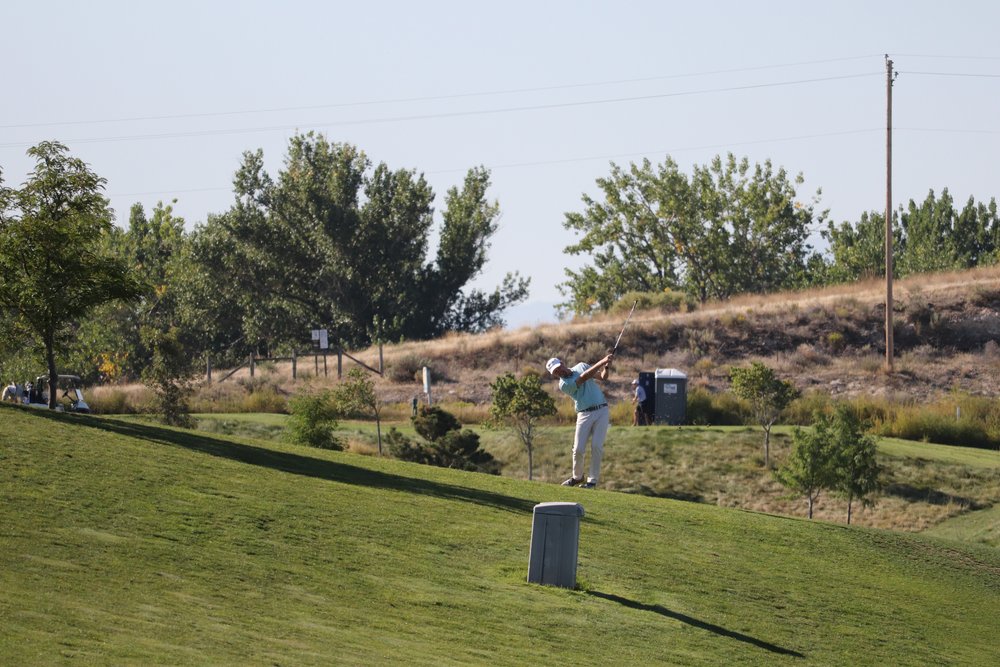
column 592, row 414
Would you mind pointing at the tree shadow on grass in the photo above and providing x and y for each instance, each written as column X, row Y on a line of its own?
column 912, row 493
column 694, row 622
column 296, row 464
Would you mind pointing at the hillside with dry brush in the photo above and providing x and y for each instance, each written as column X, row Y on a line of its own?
column 832, row 340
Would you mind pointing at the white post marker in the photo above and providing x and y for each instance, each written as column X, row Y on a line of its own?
column 427, row 384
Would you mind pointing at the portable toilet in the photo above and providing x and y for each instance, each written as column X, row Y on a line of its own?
column 671, row 396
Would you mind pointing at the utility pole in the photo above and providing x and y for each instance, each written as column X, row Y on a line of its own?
column 889, row 77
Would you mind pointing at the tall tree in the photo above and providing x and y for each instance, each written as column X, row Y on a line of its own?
column 332, row 242
column 857, row 251
column 112, row 338
column 53, row 270
column 729, row 228
column 929, row 242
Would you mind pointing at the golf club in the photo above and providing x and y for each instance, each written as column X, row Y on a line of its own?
column 618, row 340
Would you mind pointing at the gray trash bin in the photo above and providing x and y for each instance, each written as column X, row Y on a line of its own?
column 555, row 539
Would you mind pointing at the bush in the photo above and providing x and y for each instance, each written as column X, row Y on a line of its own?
column 406, row 369
column 265, row 401
column 705, row 408
column 312, row 421
column 666, row 301
column 448, row 446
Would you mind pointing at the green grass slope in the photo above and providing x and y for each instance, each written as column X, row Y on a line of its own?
column 123, row 543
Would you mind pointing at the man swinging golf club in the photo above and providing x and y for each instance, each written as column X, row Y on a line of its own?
column 592, row 415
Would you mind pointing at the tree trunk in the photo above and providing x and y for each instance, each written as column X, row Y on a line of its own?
column 810, row 506
column 849, row 501
column 378, row 430
column 529, row 462
column 767, row 452
column 50, row 362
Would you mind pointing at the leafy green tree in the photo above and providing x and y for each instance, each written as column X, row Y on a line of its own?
column 928, row 236
column 858, row 251
column 856, row 470
column 767, row 395
column 811, row 466
column 53, row 269
column 113, row 340
column 521, row 403
column 332, row 242
column 357, row 395
column 726, row 229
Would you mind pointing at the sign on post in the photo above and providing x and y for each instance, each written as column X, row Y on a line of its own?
column 319, row 337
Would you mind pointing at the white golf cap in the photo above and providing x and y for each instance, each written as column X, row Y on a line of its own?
column 553, row 364
column 636, row 381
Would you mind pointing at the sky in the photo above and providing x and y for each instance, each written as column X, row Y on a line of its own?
column 162, row 99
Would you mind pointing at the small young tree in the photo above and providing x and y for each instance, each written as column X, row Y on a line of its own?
column 521, row 403
column 811, row 466
column 767, row 394
column 357, row 395
column 169, row 375
column 856, row 469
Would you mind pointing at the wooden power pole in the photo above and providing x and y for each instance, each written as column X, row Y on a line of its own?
column 888, row 214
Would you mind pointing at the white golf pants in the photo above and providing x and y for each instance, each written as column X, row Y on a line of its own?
column 593, row 426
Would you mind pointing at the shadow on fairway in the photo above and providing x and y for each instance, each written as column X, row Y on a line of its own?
column 694, row 622
column 296, row 464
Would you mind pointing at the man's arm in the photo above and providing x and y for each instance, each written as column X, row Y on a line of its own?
column 599, row 369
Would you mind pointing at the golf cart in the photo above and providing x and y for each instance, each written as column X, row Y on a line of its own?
column 70, row 388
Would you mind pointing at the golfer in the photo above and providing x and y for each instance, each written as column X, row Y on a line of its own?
column 592, row 415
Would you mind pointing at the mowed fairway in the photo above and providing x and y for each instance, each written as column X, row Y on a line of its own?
column 123, row 543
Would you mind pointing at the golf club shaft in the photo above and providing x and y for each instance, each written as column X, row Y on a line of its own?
column 622, row 332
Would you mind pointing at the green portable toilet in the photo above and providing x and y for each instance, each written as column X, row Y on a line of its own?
column 671, row 396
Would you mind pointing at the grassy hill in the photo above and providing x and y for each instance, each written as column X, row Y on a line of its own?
column 124, row 543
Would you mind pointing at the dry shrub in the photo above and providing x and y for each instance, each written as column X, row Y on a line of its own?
column 705, row 408
column 704, row 366
column 265, row 401
column 700, row 341
column 406, row 369
column 120, row 399
column 806, row 355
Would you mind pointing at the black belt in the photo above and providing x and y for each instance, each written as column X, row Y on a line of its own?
column 595, row 407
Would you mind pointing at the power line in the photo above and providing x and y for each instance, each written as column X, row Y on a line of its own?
column 430, row 98
column 956, row 74
column 451, row 114
column 590, row 158
column 944, row 57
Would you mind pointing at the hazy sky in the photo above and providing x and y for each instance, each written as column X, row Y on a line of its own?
column 162, row 99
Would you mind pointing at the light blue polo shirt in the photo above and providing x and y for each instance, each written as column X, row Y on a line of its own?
column 587, row 395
